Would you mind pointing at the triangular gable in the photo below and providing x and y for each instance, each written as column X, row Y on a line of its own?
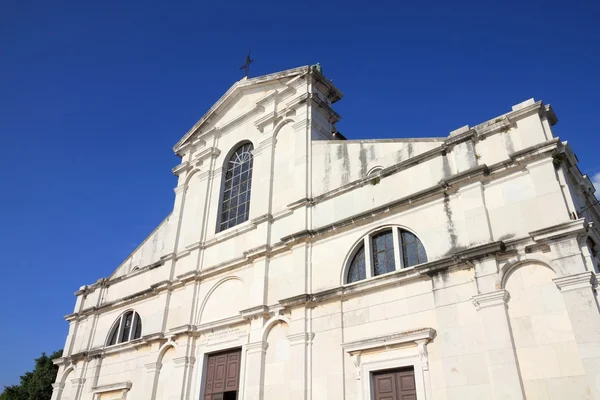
column 232, row 93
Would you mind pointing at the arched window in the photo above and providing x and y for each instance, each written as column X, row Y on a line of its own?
column 356, row 272
column 127, row 327
column 235, row 198
column 385, row 251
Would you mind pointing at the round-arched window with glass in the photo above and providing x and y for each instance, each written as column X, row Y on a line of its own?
column 237, row 185
column 127, row 327
column 385, row 251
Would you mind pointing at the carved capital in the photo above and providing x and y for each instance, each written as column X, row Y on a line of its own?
column 257, row 347
column 301, row 338
column 180, row 189
column 584, row 280
column 184, row 361
column 492, row 299
column 152, row 367
column 77, row 381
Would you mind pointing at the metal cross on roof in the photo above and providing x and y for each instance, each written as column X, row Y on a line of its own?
column 246, row 66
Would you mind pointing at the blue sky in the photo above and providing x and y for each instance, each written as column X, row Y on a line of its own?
column 93, row 95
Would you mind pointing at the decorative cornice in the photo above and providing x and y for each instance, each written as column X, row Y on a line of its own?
column 492, row 299
column 183, row 167
column 539, row 148
column 181, row 330
column 260, row 219
column 211, row 152
column 297, row 100
column 255, row 312
column 121, row 386
column 294, row 301
column 584, row 280
column 411, row 336
column 257, row 252
column 267, row 119
column 331, row 114
column 567, row 229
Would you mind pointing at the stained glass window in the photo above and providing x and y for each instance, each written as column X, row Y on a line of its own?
column 235, row 199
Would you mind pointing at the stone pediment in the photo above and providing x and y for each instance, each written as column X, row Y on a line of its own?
column 220, row 115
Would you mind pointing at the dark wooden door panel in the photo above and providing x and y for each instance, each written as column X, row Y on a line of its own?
column 222, row 374
column 232, row 379
column 395, row 385
column 385, row 387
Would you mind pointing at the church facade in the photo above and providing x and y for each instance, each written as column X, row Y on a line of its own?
column 297, row 264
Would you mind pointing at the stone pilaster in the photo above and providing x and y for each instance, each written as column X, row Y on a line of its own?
column 183, row 367
column 580, row 299
column 152, row 371
column 57, row 389
column 298, row 357
column 255, row 368
column 499, row 346
column 77, row 386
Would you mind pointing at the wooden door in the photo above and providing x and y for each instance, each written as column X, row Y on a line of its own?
column 222, row 374
column 395, row 385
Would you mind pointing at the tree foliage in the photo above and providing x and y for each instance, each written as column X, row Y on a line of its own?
column 37, row 384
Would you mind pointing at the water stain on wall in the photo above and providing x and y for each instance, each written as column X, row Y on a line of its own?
column 450, row 228
column 471, row 160
column 327, row 171
column 345, row 164
column 446, row 166
column 508, row 142
column 372, row 152
column 362, row 156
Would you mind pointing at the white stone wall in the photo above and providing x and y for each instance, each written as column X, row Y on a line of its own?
column 503, row 309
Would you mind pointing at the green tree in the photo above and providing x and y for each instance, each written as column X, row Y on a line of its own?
column 37, row 384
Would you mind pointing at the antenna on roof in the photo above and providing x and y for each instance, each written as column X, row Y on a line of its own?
column 246, row 66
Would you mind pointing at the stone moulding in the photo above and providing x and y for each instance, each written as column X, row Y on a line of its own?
column 584, row 280
column 423, row 271
column 290, row 240
column 183, row 167
column 492, row 299
column 412, row 336
column 440, row 188
column 570, row 228
column 122, row 387
column 300, row 72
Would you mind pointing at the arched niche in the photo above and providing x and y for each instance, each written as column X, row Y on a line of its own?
column 277, row 362
column 543, row 337
column 225, row 299
column 166, row 382
column 68, row 391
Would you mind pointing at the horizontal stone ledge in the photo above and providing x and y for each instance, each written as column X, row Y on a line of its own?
column 411, row 336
